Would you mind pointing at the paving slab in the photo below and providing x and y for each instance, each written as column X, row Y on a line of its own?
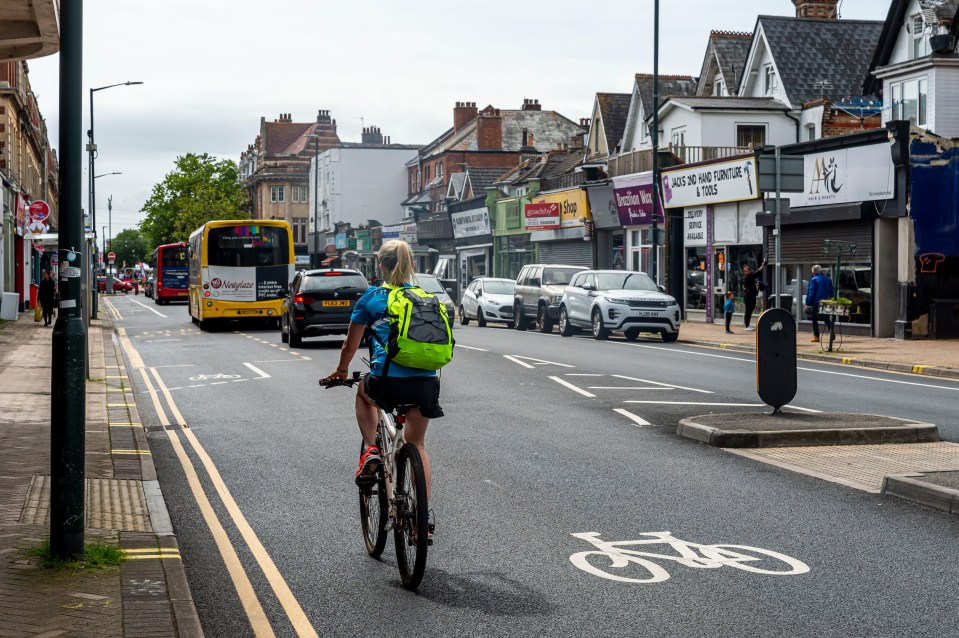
column 763, row 429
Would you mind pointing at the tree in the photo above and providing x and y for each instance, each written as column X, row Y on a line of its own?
column 130, row 247
column 201, row 188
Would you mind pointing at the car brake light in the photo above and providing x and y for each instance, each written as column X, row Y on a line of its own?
column 332, row 274
column 303, row 299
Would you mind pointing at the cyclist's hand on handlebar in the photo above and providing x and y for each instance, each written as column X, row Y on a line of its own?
column 337, row 377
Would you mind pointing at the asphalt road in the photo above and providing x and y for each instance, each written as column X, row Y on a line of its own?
column 531, row 452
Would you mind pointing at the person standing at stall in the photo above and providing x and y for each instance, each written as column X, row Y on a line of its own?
column 47, row 296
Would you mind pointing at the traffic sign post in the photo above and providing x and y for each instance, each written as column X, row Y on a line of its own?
column 780, row 173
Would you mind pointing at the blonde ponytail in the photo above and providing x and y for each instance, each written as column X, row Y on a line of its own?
column 397, row 257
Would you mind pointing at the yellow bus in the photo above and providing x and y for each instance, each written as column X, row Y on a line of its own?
column 239, row 269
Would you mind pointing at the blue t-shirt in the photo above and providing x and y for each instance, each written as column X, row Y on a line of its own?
column 370, row 310
column 729, row 306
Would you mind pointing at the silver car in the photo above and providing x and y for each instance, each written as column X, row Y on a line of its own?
column 431, row 284
column 488, row 299
column 605, row 301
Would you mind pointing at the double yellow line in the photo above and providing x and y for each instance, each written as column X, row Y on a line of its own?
column 241, row 581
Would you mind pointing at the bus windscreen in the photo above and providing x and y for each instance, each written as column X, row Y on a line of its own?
column 173, row 269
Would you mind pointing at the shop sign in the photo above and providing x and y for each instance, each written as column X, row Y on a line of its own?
column 718, row 183
column 696, row 226
column 340, row 240
column 602, row 206
column 634, row 201
column 572, row 206
column 842, row 176
column 542, row 216
column 471, row 223
column 392, row 232
column 408, row 234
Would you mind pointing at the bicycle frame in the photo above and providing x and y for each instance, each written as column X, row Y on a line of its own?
column 390, row 440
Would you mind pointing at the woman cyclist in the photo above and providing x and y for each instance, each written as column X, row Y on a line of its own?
column 402, row 385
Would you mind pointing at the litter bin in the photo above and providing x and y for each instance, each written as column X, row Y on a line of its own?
column 34, row 293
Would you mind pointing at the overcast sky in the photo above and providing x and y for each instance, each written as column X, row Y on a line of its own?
column 212, row 68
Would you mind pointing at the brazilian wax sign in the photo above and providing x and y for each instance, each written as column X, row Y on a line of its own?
column 634, row 200
column 716, row 183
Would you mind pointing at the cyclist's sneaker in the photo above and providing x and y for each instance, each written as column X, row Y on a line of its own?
column 370, row 463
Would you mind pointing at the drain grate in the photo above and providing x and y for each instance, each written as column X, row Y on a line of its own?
column 110, row 504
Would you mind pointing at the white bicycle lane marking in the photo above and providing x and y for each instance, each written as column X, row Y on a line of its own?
column 615, row 555
column 219, row 378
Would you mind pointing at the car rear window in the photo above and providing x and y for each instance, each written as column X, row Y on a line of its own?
column 558, row 276
column 333, row 281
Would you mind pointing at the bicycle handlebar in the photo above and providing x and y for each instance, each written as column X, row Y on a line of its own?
column 348, row 382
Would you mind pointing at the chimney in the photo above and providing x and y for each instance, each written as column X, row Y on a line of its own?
column 489, row 130
column 463, row 112
column 323, row 117
column 819, row 9
column 285, row 117
column 531, row 105
column 372, row 135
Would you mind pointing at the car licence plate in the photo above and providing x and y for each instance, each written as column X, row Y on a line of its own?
column 249, row 312
column 338, row 302
column 648, row 314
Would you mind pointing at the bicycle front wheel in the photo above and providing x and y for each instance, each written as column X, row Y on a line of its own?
column 411, row 534
column 373, row 516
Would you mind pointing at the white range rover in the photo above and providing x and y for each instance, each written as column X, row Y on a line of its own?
column 605, row 301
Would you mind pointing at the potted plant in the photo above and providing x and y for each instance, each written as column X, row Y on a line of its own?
column 838, row 307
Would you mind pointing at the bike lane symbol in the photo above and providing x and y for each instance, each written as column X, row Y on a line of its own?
column 210, row 377
column 615, row 555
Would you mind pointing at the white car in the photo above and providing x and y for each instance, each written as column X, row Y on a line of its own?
column 605, row 301
column 488, row 299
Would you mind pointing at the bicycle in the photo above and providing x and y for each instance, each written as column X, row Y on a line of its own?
column 709, row 557
column 397, row 499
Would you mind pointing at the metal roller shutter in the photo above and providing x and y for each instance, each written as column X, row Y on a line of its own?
column 574, row 252
column 803, row 243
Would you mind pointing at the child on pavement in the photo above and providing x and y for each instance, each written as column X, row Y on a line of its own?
column 729, row 308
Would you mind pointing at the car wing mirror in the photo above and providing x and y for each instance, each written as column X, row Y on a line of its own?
column 588, row 287
column 479, row 293
column 661, row 288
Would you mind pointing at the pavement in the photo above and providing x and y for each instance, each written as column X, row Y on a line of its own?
column 148, row 595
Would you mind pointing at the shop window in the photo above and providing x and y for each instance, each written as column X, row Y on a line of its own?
column 697, row 286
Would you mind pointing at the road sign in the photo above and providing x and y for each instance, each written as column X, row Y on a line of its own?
column 791, row 173
column 39, row 210
column 769, row 205
column 111, row 257
column 776, row 358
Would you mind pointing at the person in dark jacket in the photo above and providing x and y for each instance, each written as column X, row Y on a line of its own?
column 820, row 287
column 750, row 290
column 47, row 296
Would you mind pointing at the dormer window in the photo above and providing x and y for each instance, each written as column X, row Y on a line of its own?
column 719, row 88
column 769, row 81
column 920, row 38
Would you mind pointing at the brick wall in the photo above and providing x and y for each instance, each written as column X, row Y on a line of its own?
column 489, row 130
column 821, row 9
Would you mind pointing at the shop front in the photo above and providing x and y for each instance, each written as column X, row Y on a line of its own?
column 847, row 191
column 473, row 234
column 630, row 247
column 602, row 208
column 512, row 248
column 556, row 222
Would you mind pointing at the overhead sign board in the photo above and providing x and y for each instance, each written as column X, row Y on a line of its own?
column 791, row 173
column 471, row 223
column 716, row 183
column 842, row 176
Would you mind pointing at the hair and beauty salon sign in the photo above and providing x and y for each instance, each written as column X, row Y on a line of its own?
column 715, row 183
column 634, row 200
column 842, row 176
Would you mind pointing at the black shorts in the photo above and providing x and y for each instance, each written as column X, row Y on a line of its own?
column 422, row 392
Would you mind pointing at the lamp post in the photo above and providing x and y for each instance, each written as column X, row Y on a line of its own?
column 92, row 152
column 315, row 255
column 96, row 177
column 655, row 139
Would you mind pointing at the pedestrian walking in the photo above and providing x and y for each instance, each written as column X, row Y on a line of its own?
column 820, row 287
column 729, row 308
column 750, row 291
column 47, row 296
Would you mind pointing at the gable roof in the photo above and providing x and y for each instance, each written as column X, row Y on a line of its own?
column 727, row 50
column 807, row 51
column 613, row 107
column 948, row 13
column 480, row 179
column 669, row 86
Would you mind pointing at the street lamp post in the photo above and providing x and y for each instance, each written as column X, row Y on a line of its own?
column 105, row 236
column 655, row 183
column 315, row 256
column 92, row 151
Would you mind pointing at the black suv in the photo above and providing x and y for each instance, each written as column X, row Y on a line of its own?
column 320, row 302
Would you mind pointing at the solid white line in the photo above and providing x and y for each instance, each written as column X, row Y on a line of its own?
column 859, row 376
column 737, row 405
column 583, row 374
column 262, row 374
column 668, row 385
column 698, row 354
column 573, row 387
column 613, row 387
column 515, row 360
column 148, row 308
column 796, row 407
column 472, row 348
column 629, row 415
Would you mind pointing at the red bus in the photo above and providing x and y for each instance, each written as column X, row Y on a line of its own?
column 171, row 274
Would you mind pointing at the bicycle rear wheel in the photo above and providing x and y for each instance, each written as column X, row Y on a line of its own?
column 373, row 516
column 412, row 534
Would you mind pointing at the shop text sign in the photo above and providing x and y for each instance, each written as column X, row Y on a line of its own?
column 842, row 176
column 471, row 223
column 731, row 181
column 634, row 202
column 696, row 226
column 542, row 216
column 573, row 206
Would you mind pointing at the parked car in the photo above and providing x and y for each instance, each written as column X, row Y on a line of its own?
column 539, row 290
column 319, row 302
column 431, row 284
column 148, row 287
column 118, row 285
column 488, row 299
column 606, row 301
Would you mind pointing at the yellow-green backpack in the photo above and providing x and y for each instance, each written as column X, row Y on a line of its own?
column 420, row 332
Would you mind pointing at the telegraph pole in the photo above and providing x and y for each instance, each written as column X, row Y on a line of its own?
column 68, row 381
column 655, row 139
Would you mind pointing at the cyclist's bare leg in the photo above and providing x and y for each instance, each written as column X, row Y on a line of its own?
column 367, row 416
column 415, row 434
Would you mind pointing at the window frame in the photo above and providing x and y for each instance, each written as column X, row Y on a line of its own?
column 770, row 83
column 278, row 194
